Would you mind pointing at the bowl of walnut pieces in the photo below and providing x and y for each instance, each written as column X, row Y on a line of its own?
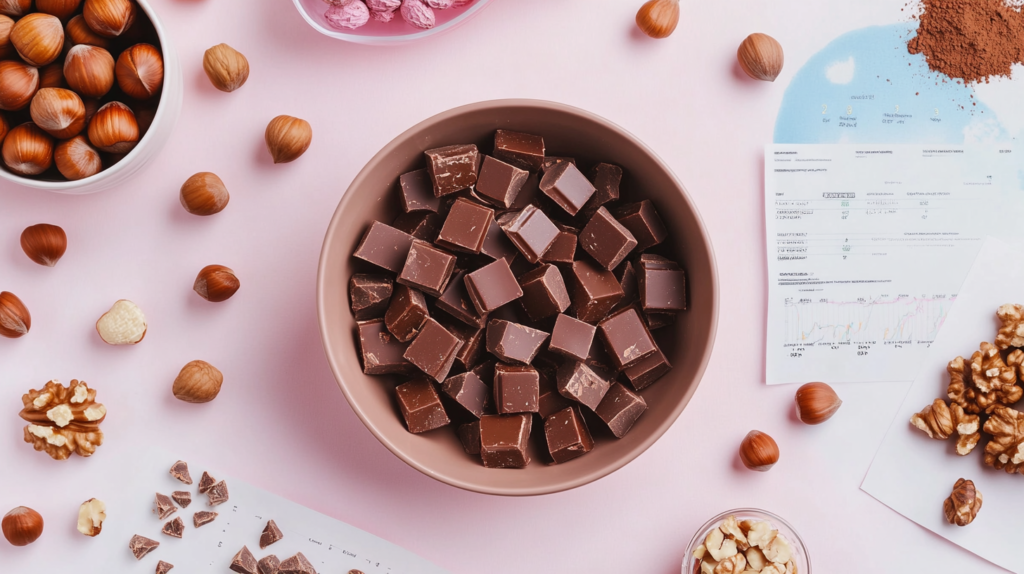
column 746, row 540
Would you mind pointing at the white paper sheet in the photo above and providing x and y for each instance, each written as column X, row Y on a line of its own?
column 913, row 474
column 867, row 246
column 332, row 546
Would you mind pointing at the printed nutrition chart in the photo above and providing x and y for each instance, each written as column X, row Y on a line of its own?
column 867, row 247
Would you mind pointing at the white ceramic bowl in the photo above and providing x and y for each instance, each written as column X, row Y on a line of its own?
column 159, row 132
column 381, row 34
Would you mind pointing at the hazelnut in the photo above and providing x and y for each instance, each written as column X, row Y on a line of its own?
column 216, row 283
column 226, row 67
column 58, row 112
column 816, row 403
column 109, row 18
column 288, row 138
column 15, row 8
column 76, row 159
column 198, row 382
column 761, row 57
column 89, row 70
column 44, row 243
column 78, row 32
column 15, row 320
column 18, row 83
column 758, row 451
column 38, row 38
column 114, row 129
column 123, row 324
column 658, row 18
column 27, row 150
column 91, row 515
column 52, row 76
column 6, row 25
column 140, row 71
column 204, row 194
column 62, row 9
column 22, row 526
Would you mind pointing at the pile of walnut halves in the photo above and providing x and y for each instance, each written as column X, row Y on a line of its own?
column 981, row 392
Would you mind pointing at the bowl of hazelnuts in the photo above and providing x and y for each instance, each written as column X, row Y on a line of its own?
column 90, row 91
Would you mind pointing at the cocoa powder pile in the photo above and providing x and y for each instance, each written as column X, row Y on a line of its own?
column 972, row 40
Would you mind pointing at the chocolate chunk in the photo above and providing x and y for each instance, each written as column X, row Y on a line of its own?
column 452, row 168
column 368, row 297
column 626, row 338
column 243, row 562
column 469, row 392
column 563, row 248
column 469, row 435
column 662, row 285
column 499, row 183
column 514, row 343
column 175, row 528
column 163, row 506
column 567, row 435
column 572, row 338
column 582, row 384
column 271, row 534
column 497, row 245
column 648, row 370
column 525, row 151
column 406, row 313
column 456, row 302
column 643, row 221
column 503, row 440
column 530, row 230
column 381, row 351
column 179, row 470
column 427, row 268
column 269, row 564
column 516, row 389
column 492, row 286
column 203, row 517
column 659, row 320
column 567, row 187
column 466, row 226
column 606, row 179
column 421, row 406
column 554, row 161
column 550, row 400
column 417, row 192
column 598, row 358
column 544, row 292
column 218, row 493
column 433, row 350
column 627, row 281
column 384, row 246
column 485, row 371
column 422, row 225
column 473, row 344
column 297, row 564
column 530, row 193
column 595, row 291
column 606, row 240
column 163, row 567
column 140, row 546
column 182, row 497
column 620, row 409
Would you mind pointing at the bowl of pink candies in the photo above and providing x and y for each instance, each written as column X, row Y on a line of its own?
column 386, row 21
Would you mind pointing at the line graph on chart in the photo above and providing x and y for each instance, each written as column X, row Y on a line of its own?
column 904, row 320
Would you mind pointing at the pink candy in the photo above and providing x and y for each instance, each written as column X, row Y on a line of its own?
column 352, row 15
column 439, row 4
column 383, row 5
column 385, row 16
column 418, row 14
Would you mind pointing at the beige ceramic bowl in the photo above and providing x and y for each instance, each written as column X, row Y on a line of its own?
column 567, row 131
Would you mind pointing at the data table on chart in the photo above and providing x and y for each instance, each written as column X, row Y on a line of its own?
column 867, row 246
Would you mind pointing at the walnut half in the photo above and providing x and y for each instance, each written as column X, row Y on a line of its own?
column 1011, row 334
column 963, row 503
column 63, row 420
column 940, row 422
column 1006, row 449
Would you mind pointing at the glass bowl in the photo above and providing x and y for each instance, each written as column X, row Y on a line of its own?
column 379, row 33
column 801, row 559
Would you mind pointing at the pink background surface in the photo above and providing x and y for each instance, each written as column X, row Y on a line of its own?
column 282, row 424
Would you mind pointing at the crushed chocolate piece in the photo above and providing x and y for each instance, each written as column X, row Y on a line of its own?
column 269, row 564
column 182, row 497
column 206, row 482
column 163, row 567
column 140, row 546
column 163, row 506
column 243, row 562
column 175, row 528
column 203, row 517
column 297, row 564
column 218, row 493
column 271, row 534
column 179, row 470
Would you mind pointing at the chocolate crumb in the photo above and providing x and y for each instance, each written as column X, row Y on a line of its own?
column 268, row 565
column 218, row 493
column 243, row 562
column 163, row 506
column 297, row 564
column 206, row 482
column 163, row 567
column 271, row 534
column 182, row 497
column 179, row 470
column 175, row 528
column 203, row 517
column 140, row 546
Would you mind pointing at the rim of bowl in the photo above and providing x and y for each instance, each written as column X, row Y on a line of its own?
column 562, row 485
column 389, row 40
column 161, row 111
column 715, row 520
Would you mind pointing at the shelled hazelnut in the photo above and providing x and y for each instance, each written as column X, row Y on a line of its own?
column 198, row 382
column 226, row 67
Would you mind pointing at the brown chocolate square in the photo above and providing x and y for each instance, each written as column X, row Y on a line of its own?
column 626, row 338
column 626, row 274
column 524, row 151
column 497, row 245
column 382, row 352
column 530, row 230
column 620, row 408
column 572, row 338
column 578, row 382
column 567, row 435
column 453, row 168
column 469, row 436
column 554, row 161
column 469, row 392
column 648, row 370
column 384, row 246
column 514, row 343
column 416, row 192
column 516, row 389
column 423, row 225
column 499, row 183
column 662, row 285
column 606, row 240
column 466, row 226
column 421, row 406
column 406, row 313
column 563, row 248
column 550, row 400
column 606, row 178
column 492, row 286
column 473, row 341
column 456, row 302
column 595, row 291
column 433, row 351
column 504, row 439
column 544, row 292
column 427, row 268
column 643, row 221
column 369, row 295
column 567, row 187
